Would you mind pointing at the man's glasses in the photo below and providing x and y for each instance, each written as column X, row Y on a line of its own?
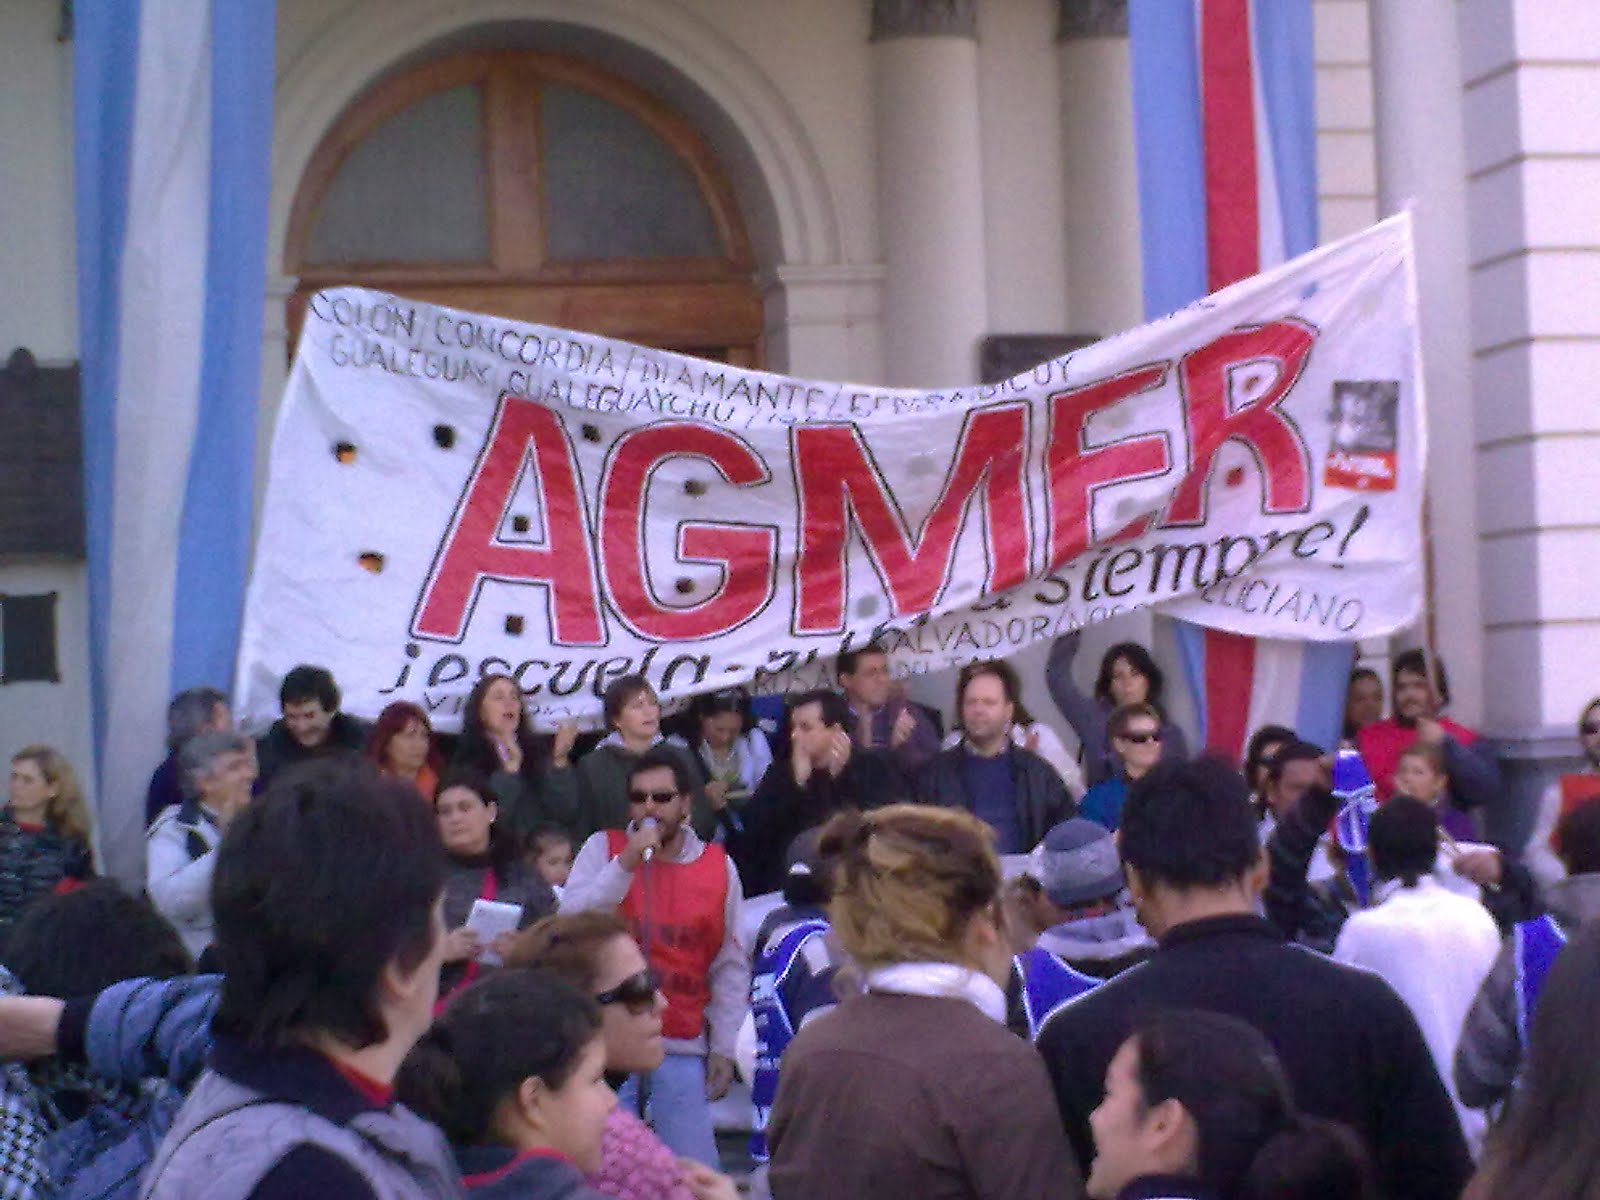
column 651, row 797
column 636, row 993
column 1589, row 728
column 1141, row 737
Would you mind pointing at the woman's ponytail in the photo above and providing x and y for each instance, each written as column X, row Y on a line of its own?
column 1311, row 1159
column 430, row 1083
column 515, row 1024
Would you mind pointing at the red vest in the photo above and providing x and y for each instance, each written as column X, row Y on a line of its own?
column 1575, row 790
column 676, row 911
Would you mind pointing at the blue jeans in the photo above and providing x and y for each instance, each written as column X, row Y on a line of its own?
column 677, row 1107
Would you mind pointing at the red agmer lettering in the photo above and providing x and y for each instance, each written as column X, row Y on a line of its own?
column 1271, row 437
column 842, row 490
column 472, row 554
column 746, row 554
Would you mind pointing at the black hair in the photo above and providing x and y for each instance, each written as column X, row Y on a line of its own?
column 305, row 683
column 1584, row 715
column 660, row 756
column 1544, row 1148
column 1140, row 660
column 1404, row 840
column 542, row 837
column 805, row 882
column 516, row 1024
column 1357, row 674
column 476, row 749
column 1231, row 1084
column 1415, row 662
column 1577, row 838
column 835, row 709
column 1294, row 751
column 849, row 660
column 709, row 704
column 1190, row 824
column 318, row 885
column 1318, row 1160
column 83, row 941
column 504, row 846
column 1254, row 751
column 619, row 694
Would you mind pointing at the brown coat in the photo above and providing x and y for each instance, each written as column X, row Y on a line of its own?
column 912, row 1096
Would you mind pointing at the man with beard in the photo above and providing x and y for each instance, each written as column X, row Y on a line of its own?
column 1419, row 695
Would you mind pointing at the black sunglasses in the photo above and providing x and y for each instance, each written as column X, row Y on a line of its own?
column 636, row 992
column 1140, row 738
column 1590, row 728
column 651, row 797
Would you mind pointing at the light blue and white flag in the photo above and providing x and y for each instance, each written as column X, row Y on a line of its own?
column 173, row 118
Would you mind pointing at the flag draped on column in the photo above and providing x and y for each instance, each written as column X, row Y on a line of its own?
column 1225, row 123
column 172, row 116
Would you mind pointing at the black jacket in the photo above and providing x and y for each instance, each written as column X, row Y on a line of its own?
column 1042, row 799
column 277, row 749
column 1351, row 1048
column 780, row 811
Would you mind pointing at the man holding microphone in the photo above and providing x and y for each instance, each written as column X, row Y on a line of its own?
column 682, row 898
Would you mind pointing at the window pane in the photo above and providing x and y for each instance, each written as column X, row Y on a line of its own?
column 412, row 191
column 612, row 188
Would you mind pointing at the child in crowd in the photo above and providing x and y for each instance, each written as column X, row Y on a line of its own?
column 513, row 1072
column 550, row 853
column 1421, row 774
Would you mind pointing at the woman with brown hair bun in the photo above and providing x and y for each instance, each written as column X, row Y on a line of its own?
column 915, row 1087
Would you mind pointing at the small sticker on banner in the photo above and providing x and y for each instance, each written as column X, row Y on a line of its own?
column 1363, row 450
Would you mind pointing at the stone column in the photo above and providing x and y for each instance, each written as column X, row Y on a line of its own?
column 823, row 322
column 1530, row 73
column 1416, row 65
column 1102, row 186
column 930, row 190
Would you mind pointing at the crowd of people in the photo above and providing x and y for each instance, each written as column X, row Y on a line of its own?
column 378, row 961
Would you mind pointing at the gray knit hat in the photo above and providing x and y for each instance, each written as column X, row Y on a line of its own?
column 1077, row 863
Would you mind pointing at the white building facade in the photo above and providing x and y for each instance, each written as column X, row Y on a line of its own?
column 887, row 183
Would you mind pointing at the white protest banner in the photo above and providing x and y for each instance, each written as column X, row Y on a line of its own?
column 454, row 494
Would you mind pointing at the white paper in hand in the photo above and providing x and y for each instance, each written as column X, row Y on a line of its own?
column 489, row 919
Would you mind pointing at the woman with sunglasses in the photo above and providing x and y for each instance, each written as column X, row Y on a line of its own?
column 594, row 952
column 1128, row 674
column 914, row 1086
column 1138, row 739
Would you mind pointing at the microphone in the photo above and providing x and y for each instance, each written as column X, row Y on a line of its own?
column 649, row 823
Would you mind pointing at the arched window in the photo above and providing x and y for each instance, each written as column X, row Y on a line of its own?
column 531, row 186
